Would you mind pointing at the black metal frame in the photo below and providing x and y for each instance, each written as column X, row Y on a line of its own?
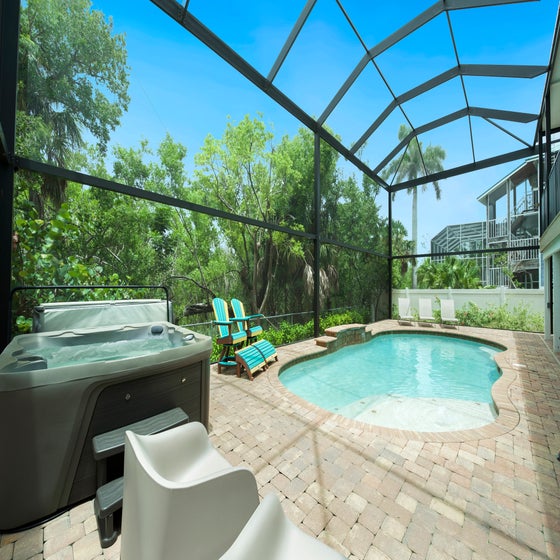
column 9, row 25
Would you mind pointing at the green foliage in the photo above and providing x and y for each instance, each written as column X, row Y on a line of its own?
column 288, row 333
column 501, row 262
column 451, row 273
column 73, row 80
column 73, row 73
column 41, row 255
column 416, row 161
column 500, row 317
column 346, row 318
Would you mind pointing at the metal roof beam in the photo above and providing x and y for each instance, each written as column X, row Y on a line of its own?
column 473, row 111
column 224, row 51
column 359, row 143
column 468, row 168
column 503, row 70
column 291, row 39
column 464, row 4
column 428, row 126
column 514, row 116
column 483, row 70
column 403, row 32
column 344, row 88
column 394, row 38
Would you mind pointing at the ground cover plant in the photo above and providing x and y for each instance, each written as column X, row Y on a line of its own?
column 495, row 317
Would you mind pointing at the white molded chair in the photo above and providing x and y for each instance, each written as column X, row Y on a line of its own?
column 425, row 312
column 405, row 314
column 270, row 535
column 182, row 499
column 448, row 311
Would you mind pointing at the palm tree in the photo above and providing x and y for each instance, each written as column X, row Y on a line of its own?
column 451, row 273
column 414, row 163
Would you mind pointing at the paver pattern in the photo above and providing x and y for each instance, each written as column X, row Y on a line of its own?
column 376, row 493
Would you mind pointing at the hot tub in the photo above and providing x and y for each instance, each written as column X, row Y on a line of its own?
column 59, row 389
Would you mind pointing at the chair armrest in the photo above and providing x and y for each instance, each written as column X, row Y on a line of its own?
column 226, row 323
column 247, row 318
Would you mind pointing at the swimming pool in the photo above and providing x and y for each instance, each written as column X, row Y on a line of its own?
column 416, row 381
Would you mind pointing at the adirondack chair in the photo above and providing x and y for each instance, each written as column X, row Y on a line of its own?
column 251, row 331
column 230, row 337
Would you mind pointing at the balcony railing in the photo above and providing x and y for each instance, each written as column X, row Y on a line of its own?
column 498, row 229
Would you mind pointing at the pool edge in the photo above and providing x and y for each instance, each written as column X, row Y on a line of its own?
column 507, row 414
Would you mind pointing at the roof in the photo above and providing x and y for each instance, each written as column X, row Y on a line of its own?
column 519, row 174
column 472, row 71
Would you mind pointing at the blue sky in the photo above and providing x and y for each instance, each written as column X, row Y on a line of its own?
column 179, row 86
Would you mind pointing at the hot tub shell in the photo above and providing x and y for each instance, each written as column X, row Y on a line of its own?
column 48, row 417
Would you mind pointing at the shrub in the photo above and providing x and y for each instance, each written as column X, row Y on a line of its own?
column 500, row 317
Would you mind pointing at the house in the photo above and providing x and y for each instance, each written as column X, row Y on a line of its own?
column 512, row 220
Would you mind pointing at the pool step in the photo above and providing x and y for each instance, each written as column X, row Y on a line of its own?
column 343, row 335
column 324, row 341
column 108, row 498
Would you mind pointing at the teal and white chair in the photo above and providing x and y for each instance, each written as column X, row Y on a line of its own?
column 230, row 336
column 251, row 331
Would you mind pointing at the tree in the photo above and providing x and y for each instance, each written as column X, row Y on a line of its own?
column 235, row 174
column 451, row 273
column 43, row 255
column 364, row 276
column 73, row 81
column 416, row 162
column 295, row 166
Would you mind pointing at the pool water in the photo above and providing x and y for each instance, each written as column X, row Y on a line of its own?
column 441, row 377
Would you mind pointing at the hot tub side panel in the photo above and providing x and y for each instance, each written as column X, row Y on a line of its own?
column 37, row 437
column 132, row 400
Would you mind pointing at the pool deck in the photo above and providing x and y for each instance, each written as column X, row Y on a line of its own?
column 380, row 493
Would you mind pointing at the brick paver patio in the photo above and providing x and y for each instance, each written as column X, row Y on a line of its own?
column 378, row 493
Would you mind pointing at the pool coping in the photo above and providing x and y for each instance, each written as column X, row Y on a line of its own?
column 508, row 416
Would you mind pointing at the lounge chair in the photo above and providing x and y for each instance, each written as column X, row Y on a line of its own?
column 405, row 314
column 425, row 312
column 270, row 535
column 229, row 336
column 448, row 312
column 251, row 331
column 181, row 497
